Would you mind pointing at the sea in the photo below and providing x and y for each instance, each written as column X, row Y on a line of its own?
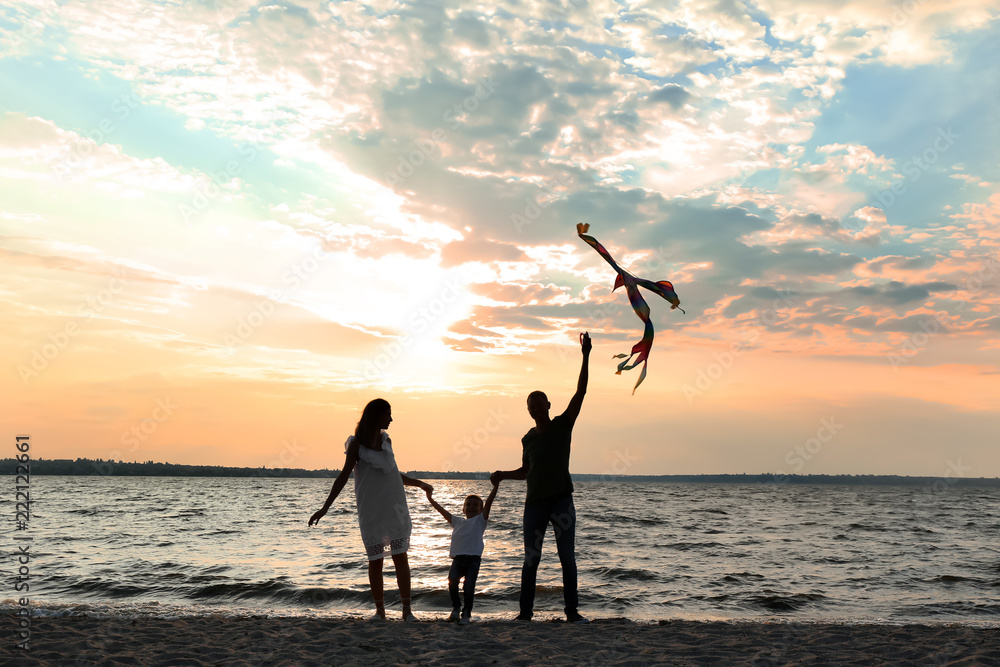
column 649, row 552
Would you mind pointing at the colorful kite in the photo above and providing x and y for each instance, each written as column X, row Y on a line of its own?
column 663, row 287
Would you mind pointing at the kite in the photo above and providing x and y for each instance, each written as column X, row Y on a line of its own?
column 632, row 284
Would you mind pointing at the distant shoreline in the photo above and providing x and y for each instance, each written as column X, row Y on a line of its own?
column 105, row 468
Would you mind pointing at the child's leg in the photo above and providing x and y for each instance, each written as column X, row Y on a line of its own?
column 402, row 563
column 453, row 576
column 375, row 581
column 471, row 574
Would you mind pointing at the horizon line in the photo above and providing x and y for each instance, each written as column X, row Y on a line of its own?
column 315, row 472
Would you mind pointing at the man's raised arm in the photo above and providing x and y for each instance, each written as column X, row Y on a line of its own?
column 575, row 403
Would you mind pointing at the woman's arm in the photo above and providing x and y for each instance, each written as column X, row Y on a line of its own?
column 338, row 484
column 409, row 481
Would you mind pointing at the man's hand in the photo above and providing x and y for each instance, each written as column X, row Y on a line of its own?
column 496, row 478
column 585, row 342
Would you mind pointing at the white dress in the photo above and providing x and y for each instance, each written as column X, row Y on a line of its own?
column 383, row 515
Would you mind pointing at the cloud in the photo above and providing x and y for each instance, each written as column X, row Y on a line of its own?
column 480, row 250
column 671, row 94
column 36, row 149
column 518, row 294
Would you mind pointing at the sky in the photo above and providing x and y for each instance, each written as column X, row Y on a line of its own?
column 226, row 226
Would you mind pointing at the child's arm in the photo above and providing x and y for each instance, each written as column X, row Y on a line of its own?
column 443, row 511
column 489, row 501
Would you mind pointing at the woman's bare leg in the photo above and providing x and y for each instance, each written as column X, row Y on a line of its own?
column 378, row 590
column 402, row 563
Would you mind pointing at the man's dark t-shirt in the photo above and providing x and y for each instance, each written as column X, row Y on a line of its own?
column 547, row 457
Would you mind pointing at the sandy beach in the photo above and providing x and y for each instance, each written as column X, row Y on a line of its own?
column 251, row 640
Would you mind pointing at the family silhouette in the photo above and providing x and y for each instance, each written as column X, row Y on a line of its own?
column 384, row 516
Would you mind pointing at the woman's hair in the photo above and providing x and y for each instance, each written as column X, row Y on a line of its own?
column 368, row 428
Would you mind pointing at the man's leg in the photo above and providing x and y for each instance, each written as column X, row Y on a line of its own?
column 536, row 518
column 564, row 522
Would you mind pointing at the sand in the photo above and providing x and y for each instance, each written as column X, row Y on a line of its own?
column 75, row 640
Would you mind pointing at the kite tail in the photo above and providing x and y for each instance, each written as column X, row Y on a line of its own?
column 641, row 353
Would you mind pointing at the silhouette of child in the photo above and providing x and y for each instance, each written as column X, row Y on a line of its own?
column 466, row 549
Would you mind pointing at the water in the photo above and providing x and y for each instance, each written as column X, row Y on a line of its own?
column 645, row 551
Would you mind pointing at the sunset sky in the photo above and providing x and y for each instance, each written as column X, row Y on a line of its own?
column 226, row 226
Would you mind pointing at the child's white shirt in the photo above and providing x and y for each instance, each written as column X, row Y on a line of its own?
column 467, row 535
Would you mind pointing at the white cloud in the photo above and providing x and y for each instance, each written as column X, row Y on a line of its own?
column 37, row 149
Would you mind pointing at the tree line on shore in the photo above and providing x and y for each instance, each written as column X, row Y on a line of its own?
column 87, row 467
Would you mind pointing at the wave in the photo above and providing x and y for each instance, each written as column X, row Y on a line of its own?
column 625, row 573
column 953, row 579
column 865, row 526
column 777, row 602
column 963, row 608
column 689, row 546
column 742, row 578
